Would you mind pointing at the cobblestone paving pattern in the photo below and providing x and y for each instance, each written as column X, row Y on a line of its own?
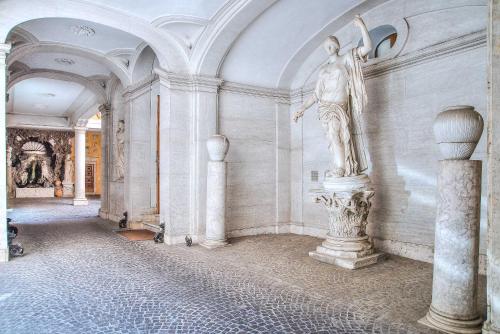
column 80, row 277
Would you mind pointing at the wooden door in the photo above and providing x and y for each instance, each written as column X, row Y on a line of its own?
column 89, row 178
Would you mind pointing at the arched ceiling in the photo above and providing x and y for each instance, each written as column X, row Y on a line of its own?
column 151, row 10
column 43, row 96
column 85, row 34
column 264, row 48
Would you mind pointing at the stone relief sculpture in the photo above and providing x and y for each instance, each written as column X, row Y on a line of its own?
column 119, row 163
column 341, row 97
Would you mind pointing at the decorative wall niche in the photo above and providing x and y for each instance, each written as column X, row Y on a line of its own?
column 36, row 157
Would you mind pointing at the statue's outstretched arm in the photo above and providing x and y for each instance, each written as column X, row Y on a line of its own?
column 306, row 105
column 367, row 41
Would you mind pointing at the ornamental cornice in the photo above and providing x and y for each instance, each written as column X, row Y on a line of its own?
column 447, row 48
column 436, row 51
column 188, row 82
column 281, row 95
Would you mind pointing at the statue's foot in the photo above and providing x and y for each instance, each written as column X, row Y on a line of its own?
column 337, row 172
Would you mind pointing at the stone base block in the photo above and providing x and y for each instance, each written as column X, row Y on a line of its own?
column 80, row 201
column 34, row 192
column 211, row 244
column 347, row 262
column 68, row 190
column 449, row 325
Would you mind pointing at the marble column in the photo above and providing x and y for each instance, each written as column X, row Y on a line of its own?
column 492, row 324
column 4, row 248
column 106, row 130
column 456, row 244
column 80, row 198
column 456, row 249
column 215, row 228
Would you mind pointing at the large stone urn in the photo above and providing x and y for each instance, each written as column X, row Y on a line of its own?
column 217, row 146
column 457, row 130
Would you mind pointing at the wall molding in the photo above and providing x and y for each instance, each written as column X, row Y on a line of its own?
column 430, row 53
column 436, row 51
column 256, row 91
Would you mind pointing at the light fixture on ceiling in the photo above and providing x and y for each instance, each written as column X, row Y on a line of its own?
column 83, row 30
column 64, row 61
column 40, row 106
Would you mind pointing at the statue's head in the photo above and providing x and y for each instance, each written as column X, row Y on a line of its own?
column 331, row 45
column 121, row 124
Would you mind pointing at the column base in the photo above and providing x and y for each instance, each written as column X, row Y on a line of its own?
column 80, row 201
column 350, row 253
column 347, row 262
column 211, row 244
column 488, row 329
column 4, row 255
column 449, row 325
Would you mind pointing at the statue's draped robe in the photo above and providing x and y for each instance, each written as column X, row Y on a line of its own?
column 348, row 116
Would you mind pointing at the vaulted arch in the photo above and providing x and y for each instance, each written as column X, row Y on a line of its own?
column 170, row 53
column 218, row 38
column 28, row 49
column 91, row 85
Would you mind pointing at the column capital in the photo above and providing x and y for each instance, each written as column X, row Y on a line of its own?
column 81, row 125
column 105, row 108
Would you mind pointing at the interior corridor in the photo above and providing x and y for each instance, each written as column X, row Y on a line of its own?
column 78, row 276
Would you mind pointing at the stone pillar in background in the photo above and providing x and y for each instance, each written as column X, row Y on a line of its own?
column 4, row 248
column 80, row 198
column 106, row 130
column 456, row 246
column 215, row 233
column 492, row 324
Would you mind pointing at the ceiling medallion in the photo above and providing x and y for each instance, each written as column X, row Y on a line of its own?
column 64, row 61
column 83, row 30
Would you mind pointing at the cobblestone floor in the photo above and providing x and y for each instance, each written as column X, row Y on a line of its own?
column 79, row 277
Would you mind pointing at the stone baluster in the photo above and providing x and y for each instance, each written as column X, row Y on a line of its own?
column 456, row 246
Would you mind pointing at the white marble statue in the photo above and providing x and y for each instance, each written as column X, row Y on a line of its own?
column 119, row 163
column 69, row 170
column 47, row 179
column 341, row 97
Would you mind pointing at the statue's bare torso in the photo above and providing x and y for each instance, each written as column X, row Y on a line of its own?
column 333, row 82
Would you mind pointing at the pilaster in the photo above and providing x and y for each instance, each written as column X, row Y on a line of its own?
column 4, row 248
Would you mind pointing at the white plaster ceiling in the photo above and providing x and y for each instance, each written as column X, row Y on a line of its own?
column 52, row 60
column 44, row 97
column 100, row 38
column 261, row 52
column 151, row 10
